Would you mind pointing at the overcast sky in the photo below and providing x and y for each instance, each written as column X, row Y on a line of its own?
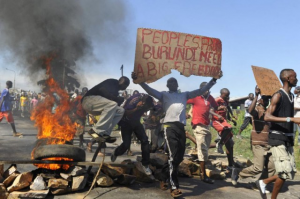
column 262, row 33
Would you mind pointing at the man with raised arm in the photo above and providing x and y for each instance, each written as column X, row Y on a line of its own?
column 281, row 137
column 174, row 104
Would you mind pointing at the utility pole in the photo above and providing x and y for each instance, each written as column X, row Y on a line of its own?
column 121, row 70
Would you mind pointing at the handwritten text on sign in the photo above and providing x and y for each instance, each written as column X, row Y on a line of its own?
column 157, row 52
column 266, row 80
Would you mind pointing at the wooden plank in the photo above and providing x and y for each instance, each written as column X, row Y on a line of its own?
column 266, row 80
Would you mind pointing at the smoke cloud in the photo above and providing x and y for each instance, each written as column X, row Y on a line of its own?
column 70, row 28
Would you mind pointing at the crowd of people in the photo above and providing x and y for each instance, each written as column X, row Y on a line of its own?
column 272, row 119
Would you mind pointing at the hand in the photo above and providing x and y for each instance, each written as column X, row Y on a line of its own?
column 133, row 76
column 257, row 91
column 120, row 100
column 187, row 116
column 296, row 120
column 220, row 117
column 219, row 75
column 139, row 105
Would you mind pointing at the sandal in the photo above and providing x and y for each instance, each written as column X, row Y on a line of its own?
column 163, row 185
column 176, row 193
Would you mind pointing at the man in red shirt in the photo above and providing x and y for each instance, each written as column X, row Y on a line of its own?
column 223, row 128
column 202, row 106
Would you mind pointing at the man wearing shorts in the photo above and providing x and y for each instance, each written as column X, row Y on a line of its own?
column 281, row 137
column 5, row 111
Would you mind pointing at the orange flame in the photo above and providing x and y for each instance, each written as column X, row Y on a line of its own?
column 56, row 125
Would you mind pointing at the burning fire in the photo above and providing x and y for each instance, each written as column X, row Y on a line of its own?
column 57, row 126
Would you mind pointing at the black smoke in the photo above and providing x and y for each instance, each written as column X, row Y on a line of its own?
column 31, row 29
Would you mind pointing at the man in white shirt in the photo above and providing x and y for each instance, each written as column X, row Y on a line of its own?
column 248, row 118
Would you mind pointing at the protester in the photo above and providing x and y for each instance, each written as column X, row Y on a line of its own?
column 247, row 118
column 104, row 99
column 5, row 111
column 33, row 103
column 174, row 104
column 135, row 107
column 153, row 124
column 259, row 141
column 223, row 128
column 79, row 116
column 23, row 103
column 297, row 107
column 281, row 138
column 202, row 106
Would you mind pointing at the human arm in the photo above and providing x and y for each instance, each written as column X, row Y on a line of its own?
column 148, row 89
column 201, row 91
column 211, row 111
column 269, row 117
column 251, row 109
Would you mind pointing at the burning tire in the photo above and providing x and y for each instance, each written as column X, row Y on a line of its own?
column 59, row 150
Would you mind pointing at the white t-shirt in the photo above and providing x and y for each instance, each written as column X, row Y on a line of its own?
column 248, row 102
column 297, row 105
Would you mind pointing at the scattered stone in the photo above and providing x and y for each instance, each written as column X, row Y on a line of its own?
column 1, row 179
column 3, row 193
column 79, row 182
column 215, row 174
column 10, row 170
column 112, row 172
column 158, row 159
column 58, row 183
column 66, row 176
column 61, row 191
column 215, row 164
column 28, row 194
column 184, row 168
column 48, row 175
column 76, row 170
column 38, row 184
column 126, row 179
column 140, row 174
column 104, row 180
column 23, row 180
column 7, row 182
column 127, row 170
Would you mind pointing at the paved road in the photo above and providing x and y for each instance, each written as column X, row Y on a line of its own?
column 12, row 148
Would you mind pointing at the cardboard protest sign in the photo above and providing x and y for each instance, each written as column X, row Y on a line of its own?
column 158, row 51
column 266, row 80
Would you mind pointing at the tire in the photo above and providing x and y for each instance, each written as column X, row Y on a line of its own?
column 59, row 150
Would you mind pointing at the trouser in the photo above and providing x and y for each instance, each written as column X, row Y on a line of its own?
column 154, row 137
column 255, row 171
column 247, row 121
column 110, row 112
column 126, row 129
column 175, row 139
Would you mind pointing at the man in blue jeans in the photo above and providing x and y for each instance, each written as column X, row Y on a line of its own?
column 135, row 107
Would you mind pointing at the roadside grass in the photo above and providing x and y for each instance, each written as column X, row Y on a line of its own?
column 242, row 148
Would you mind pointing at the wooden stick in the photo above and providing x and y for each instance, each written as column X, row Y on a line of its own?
column 61, row 162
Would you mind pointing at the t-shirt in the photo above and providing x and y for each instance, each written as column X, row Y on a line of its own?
column 6, row 106
column 23, row 101
column 201, row 107
column 34, row 102
column 131, row 103
column 222, row 111
column 297, row 105
column 108, row 88
column 248, row 102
